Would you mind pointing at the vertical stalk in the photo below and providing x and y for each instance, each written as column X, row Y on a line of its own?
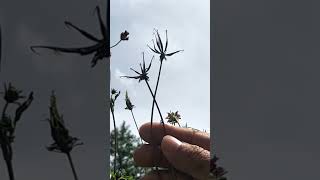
column 7, row 156
column 4, row 110
column 135, row 122
column 5, row 146
column 155, row 94
column 115, row 143
column 155, row 101
column 72, row 166
column 162, row 121
column 10, row 169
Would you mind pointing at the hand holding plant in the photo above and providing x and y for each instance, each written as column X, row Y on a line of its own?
column 186, row 149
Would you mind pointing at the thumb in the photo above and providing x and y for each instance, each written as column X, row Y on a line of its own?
column 187, row 158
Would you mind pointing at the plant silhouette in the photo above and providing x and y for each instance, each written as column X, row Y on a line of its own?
column 8, row 125
column 63, row 142
column 100, row 49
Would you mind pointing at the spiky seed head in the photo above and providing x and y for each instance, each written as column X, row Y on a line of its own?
column 124, row 36
column 173, row 117
column 12, row 94
column 129, row 105
column 113, row 91
column 63, row 142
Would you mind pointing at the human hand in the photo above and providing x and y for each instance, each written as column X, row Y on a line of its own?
column 187, row 150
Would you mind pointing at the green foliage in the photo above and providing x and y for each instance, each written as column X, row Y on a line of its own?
column 127, row 143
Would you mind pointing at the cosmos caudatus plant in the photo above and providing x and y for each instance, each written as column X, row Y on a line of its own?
column 101, row 47
column 130, row 106
column 8, row 124
column 162, row 51
column 143, row 76
column 217, row 172
column 173, row 118
column 114, row 95
column 63, row 142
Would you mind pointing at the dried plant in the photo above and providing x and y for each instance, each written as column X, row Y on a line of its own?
column 173, row 118
column 100, row 49
column 12, row 96
column 162, row 51
column 143, row 76
column 63, row 142
column 216, row 172
column 114, row 95
column 130, row 106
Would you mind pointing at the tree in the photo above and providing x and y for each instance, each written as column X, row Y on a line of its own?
column 127, row 143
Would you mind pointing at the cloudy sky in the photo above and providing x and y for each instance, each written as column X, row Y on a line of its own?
column 185, row 79
column 80, row 90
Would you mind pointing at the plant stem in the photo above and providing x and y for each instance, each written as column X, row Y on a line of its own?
column 115, row 142
column 135, row 122
column 10, row 169
column 162, row 121
column 7, row 155
column 72, row 166
column 6, row 147
column 116, row 44
column 155, row 101
column 155, row 94
column 4, row 110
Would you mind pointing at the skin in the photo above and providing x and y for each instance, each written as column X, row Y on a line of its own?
column 186, row 149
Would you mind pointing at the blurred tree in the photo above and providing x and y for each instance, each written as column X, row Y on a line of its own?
column 127, row 143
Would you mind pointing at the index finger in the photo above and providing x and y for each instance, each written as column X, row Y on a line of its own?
column 188, row 135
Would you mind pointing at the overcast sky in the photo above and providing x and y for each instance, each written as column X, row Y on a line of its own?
column 80, row 90
column 185, row 79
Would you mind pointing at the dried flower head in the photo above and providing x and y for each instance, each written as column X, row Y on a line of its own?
column 114, row 95
column 216, row 171
column 113, row 91
column 99, row 50
column 11, row 94
column 8, row 124
column 143, row 75
column 124, row 36
column 162, row 50
column 173, row 118
column 63, row 142
column 129, row 105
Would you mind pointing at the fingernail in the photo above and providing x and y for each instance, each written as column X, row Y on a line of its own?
column 170, row 144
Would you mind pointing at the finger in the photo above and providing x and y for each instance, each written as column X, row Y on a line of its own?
column 188, row 135
column 187, row 158
column 165, row 174
column 149, row 156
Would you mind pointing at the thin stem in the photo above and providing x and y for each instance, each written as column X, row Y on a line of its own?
column 116, row 44
column 10, row 169
column 115, row 142
column 135, row 122
column 155, row 102
column 154, row 99
column 7, row 155
column 4, row 109
column 72, row 166
column 155, row 94
column 6, row 147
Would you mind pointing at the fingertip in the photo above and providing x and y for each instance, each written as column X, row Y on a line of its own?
column 170, row 145
column 151, row 134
